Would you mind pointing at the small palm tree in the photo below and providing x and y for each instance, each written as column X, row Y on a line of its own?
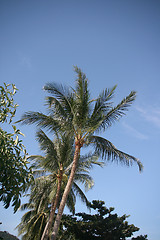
column 56, row 165
column 73, row 111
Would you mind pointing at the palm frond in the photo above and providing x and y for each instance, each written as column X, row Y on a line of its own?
column 117, row 112
column 65, row 149
column 80, row 194
column 106, row 149
column 62, row 94
column 33, row 228
column 42, row 165
column 84, row 178
column 36, row 158
column 81, row 105
column 71, row 200
column 87, row 161
column 38, row 224
column 60, row 114
column 68, row 168
column 45, row 143
column 53, row 191
column 39, row 194
column 39, row 173
column 102, row 104
column 41, row 120
column 27, row 216
column 50, row 164
column 55, row 107
column 26, row 206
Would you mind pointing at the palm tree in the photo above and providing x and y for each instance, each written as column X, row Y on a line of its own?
column 34, row 220
column 73, row 111
column 57, row 163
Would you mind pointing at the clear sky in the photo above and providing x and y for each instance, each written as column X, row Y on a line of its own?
column 113, row 42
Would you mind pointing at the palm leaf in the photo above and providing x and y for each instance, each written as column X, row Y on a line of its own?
column 25, row 206
column 117, row 112
column 46, row 144
column 71, row 200
column 85, row 179
column 80, row 193
column 106, row 149
column 41, row 120
column 81, row 105
column 87, row 161
column 35, row 158
column 102, row 104
column 63, row 95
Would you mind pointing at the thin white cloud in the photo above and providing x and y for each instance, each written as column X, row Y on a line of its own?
column 134, row 132
column 150, row 114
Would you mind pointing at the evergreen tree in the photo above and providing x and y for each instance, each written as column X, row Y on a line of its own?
column 104, row 225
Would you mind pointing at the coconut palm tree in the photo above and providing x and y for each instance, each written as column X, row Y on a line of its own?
column 34, row 220
column 51, row 172
column 56, row 166
column 73, row 111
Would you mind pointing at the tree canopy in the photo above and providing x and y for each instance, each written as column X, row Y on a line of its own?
column 6, row 236
column 103, row 225
column 14, row 172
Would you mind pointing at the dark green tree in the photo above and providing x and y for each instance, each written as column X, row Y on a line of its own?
column 14, row 172
column 75, row 112
column 141, row 237
column 6, row 236
column 104, row 225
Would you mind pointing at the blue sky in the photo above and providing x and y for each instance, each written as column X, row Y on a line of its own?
column 113, row 42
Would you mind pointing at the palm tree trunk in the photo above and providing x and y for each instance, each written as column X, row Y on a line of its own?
column 66, row 192
column 53, row 208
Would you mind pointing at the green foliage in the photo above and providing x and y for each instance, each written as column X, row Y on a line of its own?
column 34, row 220
column 144, row 237
column 15, row 173
column 103, row 225
column 7, row 105
column 6, row 236
column 32, row 226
